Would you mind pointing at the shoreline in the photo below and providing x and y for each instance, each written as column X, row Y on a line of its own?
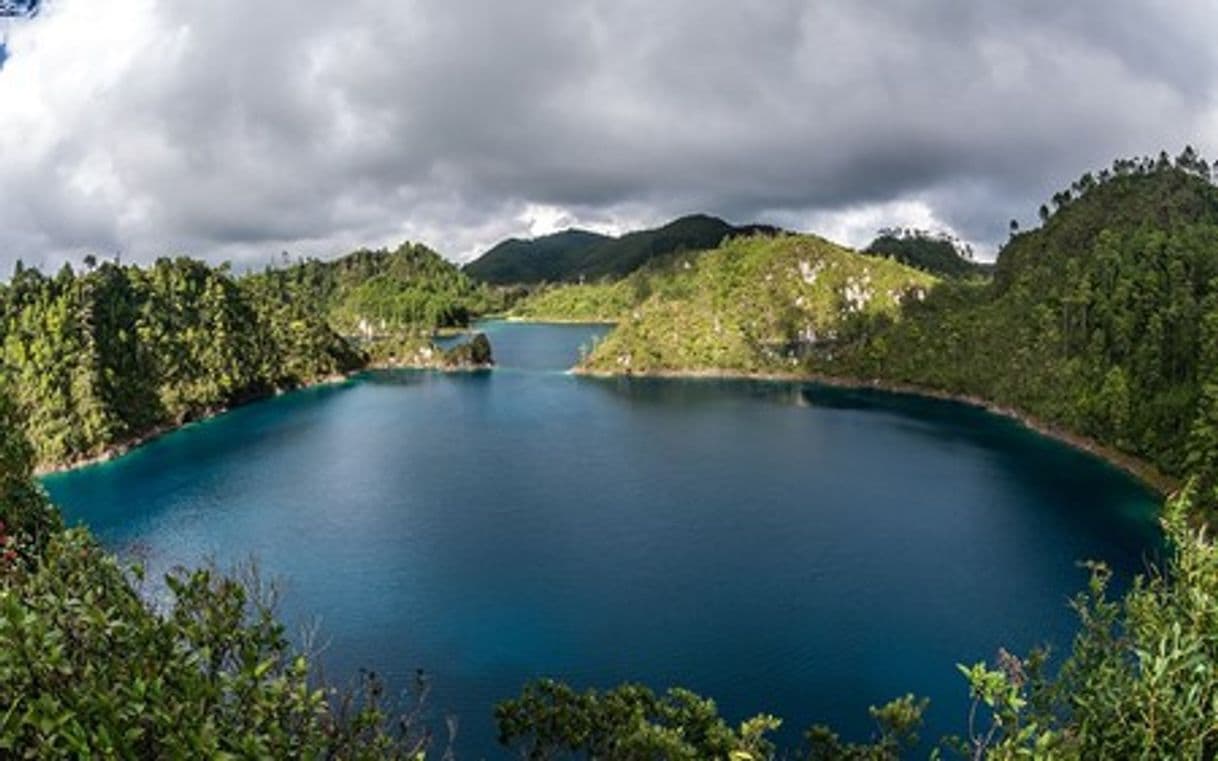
column 1143, row 471
column 115, row 451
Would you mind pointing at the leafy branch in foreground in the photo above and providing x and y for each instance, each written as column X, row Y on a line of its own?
column 91, row 668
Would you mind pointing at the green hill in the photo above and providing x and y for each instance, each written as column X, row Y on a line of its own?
column 387, row 292
column 577, row 255
column 752, row 305
column 544, row 259
column 1103, row 321
column 937, row 254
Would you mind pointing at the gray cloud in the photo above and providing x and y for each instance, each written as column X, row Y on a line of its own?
column 158, row 126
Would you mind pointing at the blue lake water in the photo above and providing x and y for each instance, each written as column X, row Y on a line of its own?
column 782, row 547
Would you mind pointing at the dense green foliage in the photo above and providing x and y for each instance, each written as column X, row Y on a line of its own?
column 605, row 301
column 937, row 254
column 408, row 289
column 551, row 720
column 99, row 358
column 752, row 305
column 577, row 256
column 103, row 357
column 1103, row 321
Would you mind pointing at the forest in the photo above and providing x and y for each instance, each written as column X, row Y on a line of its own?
column 96, row 359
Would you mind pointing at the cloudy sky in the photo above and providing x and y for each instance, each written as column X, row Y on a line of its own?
column 235, row 130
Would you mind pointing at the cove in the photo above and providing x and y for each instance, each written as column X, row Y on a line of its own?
column 781, row 547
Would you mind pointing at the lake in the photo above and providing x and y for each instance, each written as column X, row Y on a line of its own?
column 782, row 547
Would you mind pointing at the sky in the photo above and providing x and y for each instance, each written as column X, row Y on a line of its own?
column 234, row 131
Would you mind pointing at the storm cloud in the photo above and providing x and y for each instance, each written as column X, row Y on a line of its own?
column 232, row 130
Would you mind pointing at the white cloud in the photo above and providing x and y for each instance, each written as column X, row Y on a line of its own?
column 857, row 226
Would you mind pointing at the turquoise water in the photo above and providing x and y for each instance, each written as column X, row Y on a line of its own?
column 782, row 547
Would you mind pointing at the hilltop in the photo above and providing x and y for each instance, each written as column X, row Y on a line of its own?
column 579, row 255
column 544, row 259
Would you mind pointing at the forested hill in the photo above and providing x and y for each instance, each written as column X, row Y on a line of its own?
column 1104, row 320
column 386, row 292
column 547, row 258
column 751, row 305
column 97, row 359
column 938, row 254
column 577, row 255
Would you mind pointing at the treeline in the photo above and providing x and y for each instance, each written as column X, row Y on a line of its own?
column 578, row 256
column 1103, row 321
column 99, row 358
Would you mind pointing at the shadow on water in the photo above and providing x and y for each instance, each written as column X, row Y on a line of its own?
column 1048, row 471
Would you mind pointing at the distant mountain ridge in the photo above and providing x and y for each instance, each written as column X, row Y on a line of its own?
column 574, row 255
column 547, row 258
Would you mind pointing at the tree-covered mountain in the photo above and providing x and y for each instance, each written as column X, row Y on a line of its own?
column 1103, row 321
column 547, row 258
column 577, row 255
column 97, row 359
column 936, row 253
